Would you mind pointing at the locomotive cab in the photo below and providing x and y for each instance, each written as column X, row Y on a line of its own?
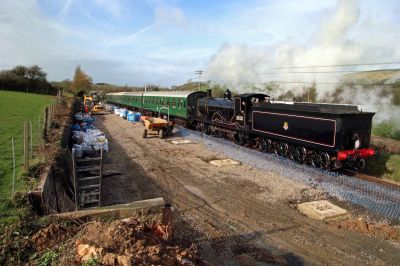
column 244, row 102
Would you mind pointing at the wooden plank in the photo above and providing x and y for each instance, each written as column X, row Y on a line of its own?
column 155, row 205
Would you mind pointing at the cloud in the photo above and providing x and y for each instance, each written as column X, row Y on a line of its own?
column 170, row 15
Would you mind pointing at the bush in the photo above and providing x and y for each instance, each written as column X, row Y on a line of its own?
column 388, row 129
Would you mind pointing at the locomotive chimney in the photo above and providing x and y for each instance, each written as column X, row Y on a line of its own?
column 208, row 93
column 228, row 95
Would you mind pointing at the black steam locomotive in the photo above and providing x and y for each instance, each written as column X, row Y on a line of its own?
column 327, row 136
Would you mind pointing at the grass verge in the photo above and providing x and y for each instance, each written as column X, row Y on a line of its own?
column 16, row 108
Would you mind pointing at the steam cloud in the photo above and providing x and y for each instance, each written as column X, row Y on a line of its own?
column 343, row 38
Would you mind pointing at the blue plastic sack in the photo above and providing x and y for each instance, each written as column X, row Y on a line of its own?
column 137, row 117
column 75, row 127
column 131, row 116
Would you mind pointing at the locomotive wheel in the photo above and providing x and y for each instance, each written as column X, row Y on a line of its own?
column 302, row 154
column 291, row 152
column 262, row 145
column 313, row 159
column 265, row 145
column 324, row 160
column 284, row 148
column 274, row 147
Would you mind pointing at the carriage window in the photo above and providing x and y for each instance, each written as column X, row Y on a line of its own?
column 173, row 104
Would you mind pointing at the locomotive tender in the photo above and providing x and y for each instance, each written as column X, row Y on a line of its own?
column 327, row 136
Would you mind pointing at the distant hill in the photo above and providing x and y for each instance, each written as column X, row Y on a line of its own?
column 374, row 76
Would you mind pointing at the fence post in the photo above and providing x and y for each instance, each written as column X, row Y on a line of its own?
column 31, row 139
column 26, row 146
column 13, row 177
column 40, row 135
column 45, row 122
column 49, row 118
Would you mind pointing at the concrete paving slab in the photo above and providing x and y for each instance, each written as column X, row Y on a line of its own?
column 323, row 210
column 180, row 141
column 224, row 162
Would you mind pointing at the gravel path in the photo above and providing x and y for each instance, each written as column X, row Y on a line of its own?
column 236, row 214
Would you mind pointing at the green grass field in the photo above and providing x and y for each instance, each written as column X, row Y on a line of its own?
column 15, row 109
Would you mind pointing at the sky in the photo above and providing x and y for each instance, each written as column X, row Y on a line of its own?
column 164, row 42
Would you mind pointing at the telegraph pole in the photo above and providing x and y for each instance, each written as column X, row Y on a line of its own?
column 199, row 72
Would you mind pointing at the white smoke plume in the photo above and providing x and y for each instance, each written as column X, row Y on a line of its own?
column 342, row 38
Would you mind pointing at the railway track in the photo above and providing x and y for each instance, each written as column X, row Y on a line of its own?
column 348, row 172
column 379, row 196
column 372, row 179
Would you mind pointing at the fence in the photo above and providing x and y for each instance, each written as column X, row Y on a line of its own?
column 18, row 154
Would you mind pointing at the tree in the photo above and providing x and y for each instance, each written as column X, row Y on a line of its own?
column 82, row 82
column 35, row 73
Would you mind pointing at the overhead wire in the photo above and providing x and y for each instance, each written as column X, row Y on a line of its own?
column 340, row 65
column 332, row 83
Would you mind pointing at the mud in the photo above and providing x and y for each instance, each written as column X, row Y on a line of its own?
column 235, row 214
column 380, row 230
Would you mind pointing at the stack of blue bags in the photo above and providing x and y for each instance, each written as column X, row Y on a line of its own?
column 88, row 122
column 133, row 117
column 137, row 117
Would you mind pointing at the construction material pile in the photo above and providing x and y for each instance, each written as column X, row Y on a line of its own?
column 87, row 140
column 126, row 114
column 127, row 241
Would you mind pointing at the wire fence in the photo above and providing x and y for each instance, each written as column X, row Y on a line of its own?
column 378, row 198
column 18, row 152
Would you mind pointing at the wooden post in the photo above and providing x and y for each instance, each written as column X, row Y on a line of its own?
column 30, row 140
column 13, row 180
column 45, row 122
column 50, row 116
column 39, row 131
column 26, row 146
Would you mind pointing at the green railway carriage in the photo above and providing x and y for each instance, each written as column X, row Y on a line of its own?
column 131, row 99
column 179, row 103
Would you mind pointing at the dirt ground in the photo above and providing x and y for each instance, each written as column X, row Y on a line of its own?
column 235, row 214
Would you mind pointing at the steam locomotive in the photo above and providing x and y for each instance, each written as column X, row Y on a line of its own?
column 327, row 136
